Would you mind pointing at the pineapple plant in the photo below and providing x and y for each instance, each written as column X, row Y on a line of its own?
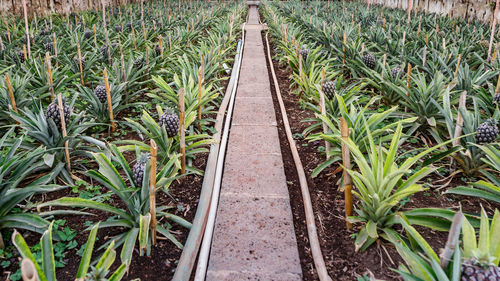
column 304, row 53
column 487, row 132
column 53, row 113
column 329, row 89
column 100, row 92
column 481, row 258
column 170, row 121
column 139, row 168
column 369, row 60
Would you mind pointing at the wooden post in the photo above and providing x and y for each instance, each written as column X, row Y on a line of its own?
column 498, row 85
column 424, row 57
column 300, row 74
column 54, row 39
column 458, row 65
column 346, row 160
column 182, row 132
column 80, row 64
column 152, row 190
column 133, row 38
column 343, row 48
column 95, row 35
column 27, row 28
column 160, row 42
column 63, row 128
column 11, row 92
column 49, row 73
column 493, row 29
column 383, row 66
column 110, row 102
column 460, row 119
column 323, row 111
column 201, row 78
column 106, row 31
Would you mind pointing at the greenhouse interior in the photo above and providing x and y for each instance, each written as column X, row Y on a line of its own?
column 335, row 140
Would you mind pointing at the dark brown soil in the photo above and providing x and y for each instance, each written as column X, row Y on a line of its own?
column 337, row 243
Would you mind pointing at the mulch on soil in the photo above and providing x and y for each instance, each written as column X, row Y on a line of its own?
column 337, row 243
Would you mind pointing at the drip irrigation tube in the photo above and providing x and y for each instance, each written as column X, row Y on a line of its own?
column 192, row 245
column 319, row 263
column 201, row 269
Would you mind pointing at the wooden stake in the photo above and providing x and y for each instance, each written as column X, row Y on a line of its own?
column 80, row 64
column 201, row 78
column 54, row 39
column 343, row 48
column 28, row 270
column 152, row 190
column 346, row 160
column 182, row 132
column 160, row 41
column 458, row 65
column 11, row 92
column 300, row 73
column 95, row 35
column 498, row 85
column 106, row 31
column 133, row 38
column 49, row 73
column 63, row 128
column 460, row 119
column 110, row 102
column 322, row 105
column 27, row 28
column 493, row 29
column 383, row 66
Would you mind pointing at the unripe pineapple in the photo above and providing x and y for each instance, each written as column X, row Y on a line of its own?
column 87, row 34
column 100, row 92
column 157, row 50
column 397, row 72
column 369, row 60
column 170, row 121
column 139, row 62
column 304, row 53
column 19, row 56
column 487, row 132
column 496, row 99
column 329, row 89
column 139, row 168
column 49, row 47
column 484, row 43
column 52, row 112
column 118, row 28
column 129, row 26
column 77, row 62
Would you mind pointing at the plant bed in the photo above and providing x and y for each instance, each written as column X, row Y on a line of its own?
column 342, row 261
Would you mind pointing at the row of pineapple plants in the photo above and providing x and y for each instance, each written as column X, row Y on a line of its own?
column 119, row 73
column 399, row 80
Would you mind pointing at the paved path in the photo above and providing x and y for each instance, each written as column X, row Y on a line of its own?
column 254, row 237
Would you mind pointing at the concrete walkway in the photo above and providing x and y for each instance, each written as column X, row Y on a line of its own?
column 254, row 237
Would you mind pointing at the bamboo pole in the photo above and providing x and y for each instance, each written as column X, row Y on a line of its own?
column 346, row 160
column 63, row 128
column 11, row 92
column 54, row 39
column 323, row 112
column 493, row 29
column 26, row 25
column 182, row 132
column 152, row 190
column 300, row 74
column 110, row 102
column 383, row 66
